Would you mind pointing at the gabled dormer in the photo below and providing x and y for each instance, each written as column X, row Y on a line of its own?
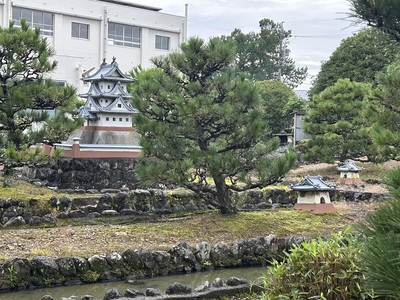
column 121, row 106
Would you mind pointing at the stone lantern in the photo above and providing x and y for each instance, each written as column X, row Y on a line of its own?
column 313, row 195
column 349, row 173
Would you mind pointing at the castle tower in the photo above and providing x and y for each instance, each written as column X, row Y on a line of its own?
column 107, row 110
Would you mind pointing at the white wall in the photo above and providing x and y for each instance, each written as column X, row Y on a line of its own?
column 75, row 55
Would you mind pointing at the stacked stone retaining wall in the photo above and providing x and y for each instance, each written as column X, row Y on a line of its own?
column 43, row 271
column 88, row 173
column 146, row 203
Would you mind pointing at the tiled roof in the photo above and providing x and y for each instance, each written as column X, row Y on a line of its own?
column 302, row 94
column 108, row 72
column 312, row 183
column 349, row 167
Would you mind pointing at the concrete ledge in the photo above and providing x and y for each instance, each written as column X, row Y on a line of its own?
column 316, row 208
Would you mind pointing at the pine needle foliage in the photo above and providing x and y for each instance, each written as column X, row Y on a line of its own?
column 200, row 119
column 381, row 251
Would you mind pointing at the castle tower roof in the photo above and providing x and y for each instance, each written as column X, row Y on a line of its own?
column 108, row 72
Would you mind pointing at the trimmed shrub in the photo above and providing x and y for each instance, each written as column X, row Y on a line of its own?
column 318, row 269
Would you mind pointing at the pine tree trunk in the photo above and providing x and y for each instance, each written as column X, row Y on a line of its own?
column 226, row 205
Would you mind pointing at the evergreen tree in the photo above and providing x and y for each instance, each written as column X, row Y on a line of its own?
column 384, row 113
column 382, row 14
column 25, row 95
column 336, row 122
column 381, row 252
column 278, row 102
column 359, row 58
column 201, row 126
column 265, row 55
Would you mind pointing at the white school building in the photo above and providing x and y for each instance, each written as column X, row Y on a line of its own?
column 84, row 32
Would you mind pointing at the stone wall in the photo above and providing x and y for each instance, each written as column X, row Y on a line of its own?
column 147, row 203
column 43, row 271
column 75, row 173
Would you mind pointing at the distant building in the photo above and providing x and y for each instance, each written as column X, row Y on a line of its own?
column 298, row 123
column 84, row 32
column 303, row 94
column 313, row 195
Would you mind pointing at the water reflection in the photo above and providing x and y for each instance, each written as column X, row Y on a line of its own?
column 160, row 283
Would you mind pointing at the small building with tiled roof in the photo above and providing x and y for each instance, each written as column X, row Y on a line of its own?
column 313, row 195
column 349, row 173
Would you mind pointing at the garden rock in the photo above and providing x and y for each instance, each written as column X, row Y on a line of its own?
column 46, row 267
column 132, row 293
column 98, row 264
column 150, row 292
column 15, row 221
column 66, row 265
column 112, row 294
column 178, row 288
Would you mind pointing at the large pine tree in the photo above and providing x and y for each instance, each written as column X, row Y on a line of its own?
column 200, row 124
column 25, row 93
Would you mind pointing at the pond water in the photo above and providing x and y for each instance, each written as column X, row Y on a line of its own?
column 160, row 283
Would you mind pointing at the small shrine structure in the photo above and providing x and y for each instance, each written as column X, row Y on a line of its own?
column 349, row 173
column 108, row 131
column 313, row 195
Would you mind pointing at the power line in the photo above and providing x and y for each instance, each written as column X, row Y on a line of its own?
column 324, row 36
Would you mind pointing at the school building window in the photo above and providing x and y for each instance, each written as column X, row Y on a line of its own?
column 34, row 18
column 162, row 42
column 79, row 30
column 123, row 35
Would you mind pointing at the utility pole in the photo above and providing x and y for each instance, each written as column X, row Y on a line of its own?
column 280, row 51
column 283, row 51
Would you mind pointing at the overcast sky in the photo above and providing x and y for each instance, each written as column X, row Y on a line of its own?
column 317, row 26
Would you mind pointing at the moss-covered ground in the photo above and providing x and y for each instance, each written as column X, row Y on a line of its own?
column 102, row 236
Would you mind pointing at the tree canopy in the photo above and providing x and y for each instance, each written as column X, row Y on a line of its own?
column 382, row 14
column 335, row 120
column 265, row 55
column 201, row 126
column 25, row 94
column 359, row 58
column 384, row 113
column 278, row 102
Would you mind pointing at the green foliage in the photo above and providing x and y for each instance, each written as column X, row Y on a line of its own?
column 199, row 119
column 381, row 251
column 384, row 113
column 90, row 276
column 382, row 14
column 26, row 97
column 336, row 122
column 318, row 269
column 278, row 103
column 359, row 58
column 10, row 274
column 262, row 55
